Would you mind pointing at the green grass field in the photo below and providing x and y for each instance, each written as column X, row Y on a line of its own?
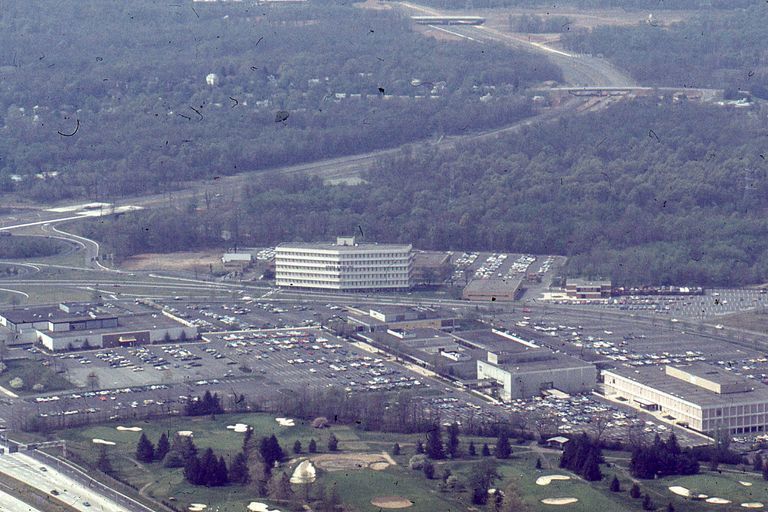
column 33, row 372
column 722, row 485
column 357, row 487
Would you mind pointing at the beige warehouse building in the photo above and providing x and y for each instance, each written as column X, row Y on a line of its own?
column 703, row 397
column 522, row 369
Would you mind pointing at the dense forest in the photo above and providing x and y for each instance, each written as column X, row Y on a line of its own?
column 647, row 5
column 648, row 192
column 155, row 93
column 711, row 50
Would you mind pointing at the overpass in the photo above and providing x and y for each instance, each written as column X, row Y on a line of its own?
column 448, row 20
column 610, row 90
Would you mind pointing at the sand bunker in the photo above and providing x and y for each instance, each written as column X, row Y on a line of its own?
column 256, row 506
column 285, row 422
column 184, row 433
column 391, row 502
column 129, row 429
column 680, row 491
column 304, row 473
column 752, row 505
column 197, row 507
column 718, row 501
column 745, row 484
column 102, row 441
column 559, row 501
column 546, row 480
column 239, row 427
column 347, row 461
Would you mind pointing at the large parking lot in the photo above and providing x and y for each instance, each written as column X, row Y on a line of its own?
column 713, row 303
column 623, row 341
column 250, row 313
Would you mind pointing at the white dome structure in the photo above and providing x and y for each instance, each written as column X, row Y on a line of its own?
column 212, row 79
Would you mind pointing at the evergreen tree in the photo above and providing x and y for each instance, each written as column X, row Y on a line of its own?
column 222, row 475
column 312, row 446
column 765, row 471
column 471, row 449
column 270, row 451
column 103, row 464
column 757, row 465
column 145, row 451
column 434, row 448
column 333, row 443
column 672, row 446
column 429, row 469
column 591, row 470
column 615, row 484
column 208, row 468
column 192, row 471
column 238, row 471
column 503, row 448
column 538, row 463
column 648, row 503
column 297, row 447
column 163, row 447
column 634, row 491
column 419, row 447
column 453, row 440
column 485, row 452
column 396, row 449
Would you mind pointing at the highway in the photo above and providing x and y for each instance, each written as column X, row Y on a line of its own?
column 578, row 70
column 9, row 503
column 45, row 478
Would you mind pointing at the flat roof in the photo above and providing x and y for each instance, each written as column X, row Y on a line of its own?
column 330, row 246
column 126, row 324
column 548, row 361
column 488, row 340
column 712, row 373
column 51, row 314
column 586, row 282
column 491, row 286
column 657, row 378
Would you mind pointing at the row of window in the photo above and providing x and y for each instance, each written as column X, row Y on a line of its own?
column 354, row 256
column 367, row 283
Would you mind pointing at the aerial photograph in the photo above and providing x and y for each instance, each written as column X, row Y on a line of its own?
column 380, row 255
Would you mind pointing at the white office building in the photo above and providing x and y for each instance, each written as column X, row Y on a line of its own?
column 702, row 397
column 344, row 265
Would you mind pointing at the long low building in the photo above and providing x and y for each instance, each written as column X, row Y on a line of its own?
column 70, row 326
column 523, row 369
column 700, row 396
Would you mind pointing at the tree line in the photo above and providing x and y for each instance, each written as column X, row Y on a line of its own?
column 135, row 114
column 646, row 192
column 713, row 49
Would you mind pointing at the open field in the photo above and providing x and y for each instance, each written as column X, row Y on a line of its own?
column 33, row 373
column 750, row 321
column 725, row 485
column 200, row 261
column 582, row 18
column 359, row 484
